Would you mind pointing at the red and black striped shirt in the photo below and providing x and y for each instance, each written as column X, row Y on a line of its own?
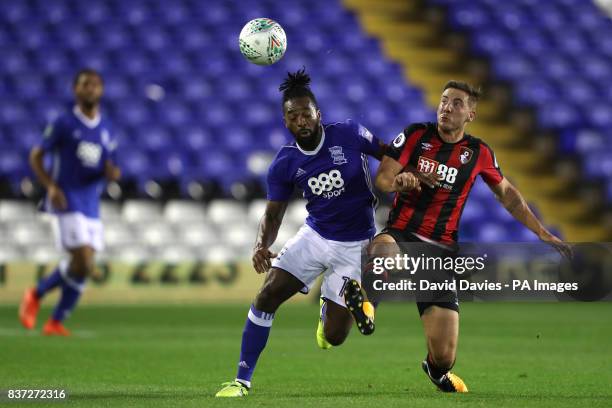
column 434, row 213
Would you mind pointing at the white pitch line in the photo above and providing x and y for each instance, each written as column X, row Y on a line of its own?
column 10, row 332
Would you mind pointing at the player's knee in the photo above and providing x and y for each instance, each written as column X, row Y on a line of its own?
column 267, row 300
column 81, row 267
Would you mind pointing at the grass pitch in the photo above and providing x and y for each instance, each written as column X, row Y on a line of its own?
column 523, row 355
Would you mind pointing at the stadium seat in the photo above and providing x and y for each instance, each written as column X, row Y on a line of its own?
column 219, row 254
column 43, row 253
column 16, row 211
column 198, row 235
column 175, row 108
column 10, row 253
column 134, row 254
column 296, row 212
column 176, row 211
column 118, row 233
column 31, row 233
column 563, row 59
column 110, row 211
column 222, row 212
column 156, row 234
column 135, row 211
column 256, row 210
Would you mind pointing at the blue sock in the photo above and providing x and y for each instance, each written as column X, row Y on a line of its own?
column 71, row 292
column 254, row 339
column 52, row 281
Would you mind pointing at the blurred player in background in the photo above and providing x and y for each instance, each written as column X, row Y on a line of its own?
column 82, row 149
column 328, row 162
column 426, row 211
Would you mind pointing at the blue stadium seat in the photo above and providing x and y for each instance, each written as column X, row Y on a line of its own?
column 513, row 67
column 176, row 82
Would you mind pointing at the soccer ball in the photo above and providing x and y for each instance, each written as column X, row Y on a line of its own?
column 263, row 41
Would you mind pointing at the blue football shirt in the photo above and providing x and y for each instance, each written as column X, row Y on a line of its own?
column 79, row 147
column 335, row 179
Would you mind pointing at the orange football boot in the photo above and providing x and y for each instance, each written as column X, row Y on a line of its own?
column 55, row 328
column 28, row 309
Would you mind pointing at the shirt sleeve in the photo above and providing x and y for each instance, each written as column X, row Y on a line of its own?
column 280, row 187
column 52, row 136
column 489, row 169
column 401, row 148
column 368, row 143
column 109, row 141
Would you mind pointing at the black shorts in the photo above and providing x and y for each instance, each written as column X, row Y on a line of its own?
column 448, row 298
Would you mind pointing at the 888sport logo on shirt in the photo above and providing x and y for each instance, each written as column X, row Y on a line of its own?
column 327, row 185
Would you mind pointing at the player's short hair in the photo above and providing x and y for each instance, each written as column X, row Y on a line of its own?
column 297, row 85
column 473, row 93
column 85, row 71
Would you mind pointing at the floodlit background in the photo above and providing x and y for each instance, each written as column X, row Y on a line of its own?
column 198, row 124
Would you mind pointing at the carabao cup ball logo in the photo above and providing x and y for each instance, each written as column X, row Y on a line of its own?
column 263, row 41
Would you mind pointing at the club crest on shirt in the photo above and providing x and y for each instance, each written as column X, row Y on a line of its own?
column 465, row 155
column 399, row 140
column 337, row 155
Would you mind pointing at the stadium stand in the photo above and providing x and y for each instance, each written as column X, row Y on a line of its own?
column 198, row 124
column 521, row 56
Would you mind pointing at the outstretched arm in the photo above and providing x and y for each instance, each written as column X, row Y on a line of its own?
column 516, row 205
column 266, row 235
column 391, row 177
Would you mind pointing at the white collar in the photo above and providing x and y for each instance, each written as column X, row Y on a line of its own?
column 315, row 151
column 90, row 123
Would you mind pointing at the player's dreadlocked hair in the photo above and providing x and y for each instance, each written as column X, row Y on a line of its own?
column 297, row 85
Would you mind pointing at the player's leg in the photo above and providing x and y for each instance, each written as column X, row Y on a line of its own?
column 79, row 269
column 294, row 270
column 73, row 231
column 441, row 327
column 336, row 322
column 30, row 303
column 278, row 286
column 355, row 297
column 81, row 237
column 344, row 268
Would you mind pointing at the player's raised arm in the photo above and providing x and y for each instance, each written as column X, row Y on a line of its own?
column 266, row 235
column 512, row 199
column 387, row 173
column 392, row 177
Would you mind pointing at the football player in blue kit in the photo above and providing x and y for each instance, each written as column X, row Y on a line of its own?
column 328, row 162
column 82, row 148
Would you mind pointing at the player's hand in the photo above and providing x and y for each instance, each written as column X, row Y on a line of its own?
column 262, row 259
column 562, row 247
column 429, row 179
column 406, row 182
column 111, row 172
column 57, row 197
